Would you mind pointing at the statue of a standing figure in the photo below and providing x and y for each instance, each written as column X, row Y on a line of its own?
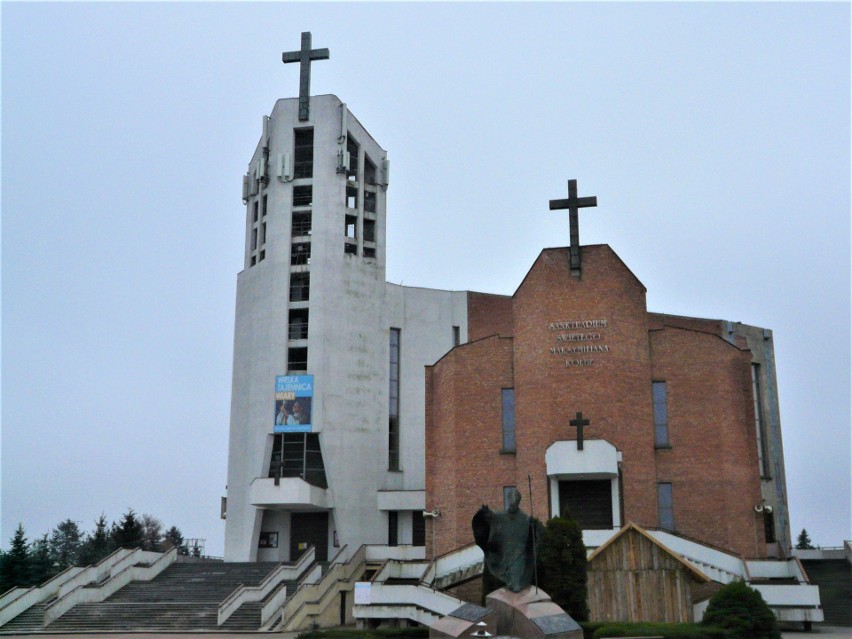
column 509, row 540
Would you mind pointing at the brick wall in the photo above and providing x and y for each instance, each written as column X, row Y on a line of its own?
column 712, row 462
column 488, row 315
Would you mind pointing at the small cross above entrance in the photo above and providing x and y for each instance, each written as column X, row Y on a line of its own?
column 574, row 204
column 579, row 422
column 304, row 57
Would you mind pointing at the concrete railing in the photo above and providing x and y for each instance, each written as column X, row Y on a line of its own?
column 457, row 561
column 395, row 569
column 378, row 600
column 16, row 601
column 377, row 553
column 121, row 574
column 311, row 600
column 789, row 603
column 719, row 566
column 775, row 569
column 249, row 594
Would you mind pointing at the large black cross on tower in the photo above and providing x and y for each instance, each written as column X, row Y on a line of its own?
column 304, row 57
column 579, row 422
column 574, row 204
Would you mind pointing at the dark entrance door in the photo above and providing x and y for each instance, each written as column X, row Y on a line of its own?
column 589, row 502
column 309, row 529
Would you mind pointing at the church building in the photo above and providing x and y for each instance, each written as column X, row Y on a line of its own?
column 570, row 387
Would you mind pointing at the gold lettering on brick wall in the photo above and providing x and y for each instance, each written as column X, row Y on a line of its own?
column 579, row 348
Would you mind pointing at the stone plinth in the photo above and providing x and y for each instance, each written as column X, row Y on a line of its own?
column 530, row 614
column 462, row 623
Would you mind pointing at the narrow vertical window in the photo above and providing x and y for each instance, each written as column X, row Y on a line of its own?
column 456, row 336
column 303, row 165
column 665, row 506
column 758, row 422
column 393, row 528
column 393, row 412
column 508, row 420
column 661, row 415
column 352, row 148
column 769, row 528
column 418, row 528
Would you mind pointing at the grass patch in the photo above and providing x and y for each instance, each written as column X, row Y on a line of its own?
column 378, row 633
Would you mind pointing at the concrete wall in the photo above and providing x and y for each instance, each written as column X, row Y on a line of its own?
column 351, row 311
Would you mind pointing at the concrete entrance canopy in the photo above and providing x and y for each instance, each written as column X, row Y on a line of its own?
column 292, row 493
column 598, row 460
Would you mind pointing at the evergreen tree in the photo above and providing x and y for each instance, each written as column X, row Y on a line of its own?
column 98, row 544
column 65, row 543
column 742, row 612
column 152, row 533
column 15, row 570
column 562, row 566
column 174, row 539
column 803, row 541
column 129, row 532
column 41, row 565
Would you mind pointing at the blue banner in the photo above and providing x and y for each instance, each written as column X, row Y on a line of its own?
column 294, row 395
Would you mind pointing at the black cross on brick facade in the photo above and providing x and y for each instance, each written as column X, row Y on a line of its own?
column 304, row 57
column 579, row 422
column 574, row 204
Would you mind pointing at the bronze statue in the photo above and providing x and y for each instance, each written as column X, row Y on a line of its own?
column 509, row 540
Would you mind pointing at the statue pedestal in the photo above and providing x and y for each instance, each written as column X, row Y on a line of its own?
column 531, row 614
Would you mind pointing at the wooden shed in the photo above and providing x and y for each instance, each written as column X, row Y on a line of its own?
column 633, row 577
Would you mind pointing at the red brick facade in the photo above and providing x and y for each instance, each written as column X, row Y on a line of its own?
column 589, row 344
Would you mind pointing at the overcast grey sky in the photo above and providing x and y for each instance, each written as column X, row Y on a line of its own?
column 716, row 138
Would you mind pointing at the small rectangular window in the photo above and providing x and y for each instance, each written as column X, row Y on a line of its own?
column 351, row 226
column 665, row 506
column 297, row 324
column 369, row 201
column 301, row 223
column 265, row 205
column 769, row 528
column 268, row 540
column 350, row 249
column 303, row 195
column 254, row 239
column 393, row 528
column 303, row 165
column 369, row 252
column 369, row 230
column 418, row 528
column 369, row 170
column 300, row 287
column 262, row 256
column 297, row 359
column 352, row 147
column 351, row 197
column 661, row 415
column 300, row 254
column 456, row 336
column 254, row 219
column 263, row 233
column 508, row 420
column 253, row 260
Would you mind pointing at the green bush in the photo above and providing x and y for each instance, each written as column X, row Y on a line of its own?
column 742, row 611
column 562, row 566
column 667, row 630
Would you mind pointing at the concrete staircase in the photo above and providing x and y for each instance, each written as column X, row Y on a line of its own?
column 28, row 621
column 185, row 596
column 834, row 578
